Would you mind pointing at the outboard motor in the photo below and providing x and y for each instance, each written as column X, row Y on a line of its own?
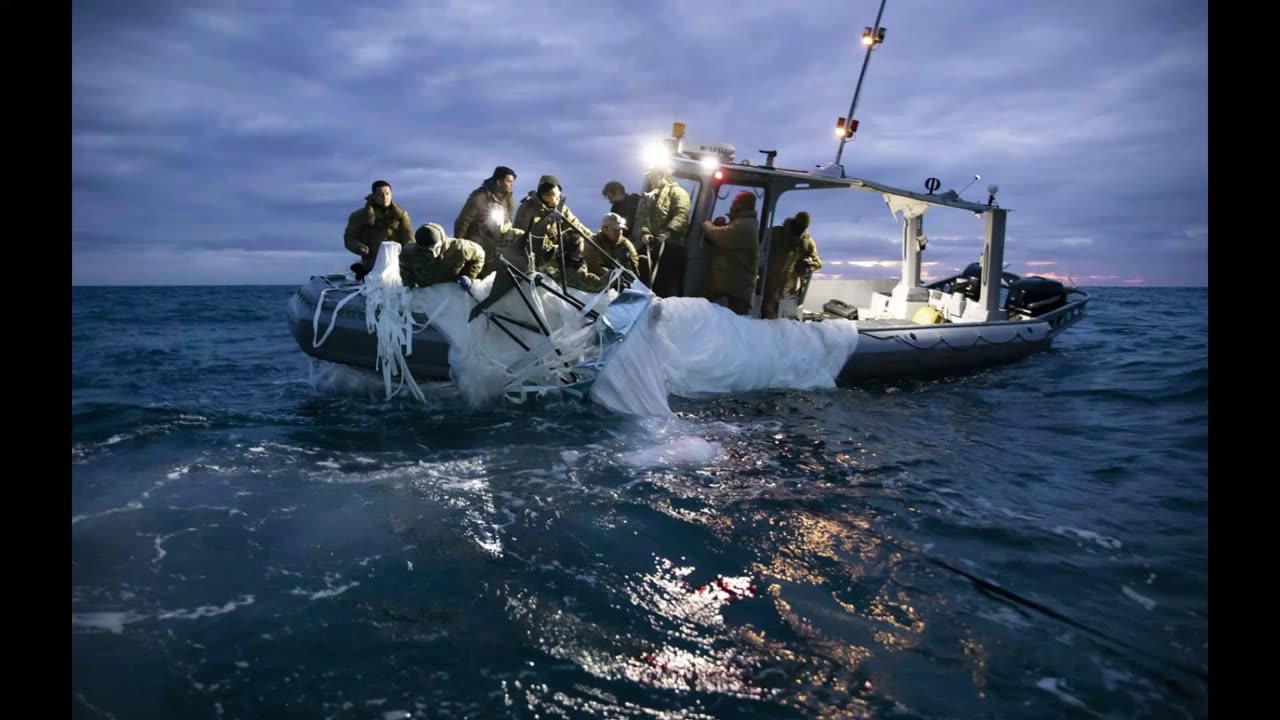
column 970, row 282
column 1035, row 296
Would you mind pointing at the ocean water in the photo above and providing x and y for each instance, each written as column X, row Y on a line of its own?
column 257, row 535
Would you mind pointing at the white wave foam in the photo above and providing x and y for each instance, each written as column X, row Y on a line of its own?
column 159, row 542
column 134, row 505
column 84, row 452
column 99, row 711
column 116, row 621
column 206, row 610
column 160, row 551
column 1142, row 600
column 1051, row 685
column 321, row 594
column 685, row 451
column 109, row 621
column 221, row 508
column 1109, row 543
column 1006, row 616
column 334, row 379
column 445, row 472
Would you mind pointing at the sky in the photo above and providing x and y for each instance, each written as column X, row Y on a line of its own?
column 225, row 143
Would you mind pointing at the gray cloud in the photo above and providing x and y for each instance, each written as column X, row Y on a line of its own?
column 243, row 132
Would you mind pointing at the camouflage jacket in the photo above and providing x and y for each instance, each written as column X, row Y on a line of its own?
column 534, row 225
column 474, row 222
column 787, row 254
column 454, row 258
column 624, row 252
column 370, row 226
column 663, row 210
column 735, row 253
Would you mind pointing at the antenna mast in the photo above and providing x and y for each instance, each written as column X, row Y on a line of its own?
column 871, row 37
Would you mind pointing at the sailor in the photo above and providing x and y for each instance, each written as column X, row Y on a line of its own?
column 542, row 222
column 793, row 257
column 487, row 206
column 379, row 220
column 579, row 275
column 546, row 219
column 620, row 203
column 434, row 258
column 662, row 220
column 732, row 276
column 611, row 246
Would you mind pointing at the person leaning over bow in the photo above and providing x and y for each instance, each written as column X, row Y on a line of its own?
column 434, row 258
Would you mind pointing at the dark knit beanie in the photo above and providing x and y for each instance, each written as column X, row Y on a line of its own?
column 801, row 223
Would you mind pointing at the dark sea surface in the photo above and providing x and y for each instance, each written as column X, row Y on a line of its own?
column 255, row 535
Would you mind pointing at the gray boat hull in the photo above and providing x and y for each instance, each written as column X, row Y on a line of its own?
column 885, row 350
column 916, row 352
column 350, row 342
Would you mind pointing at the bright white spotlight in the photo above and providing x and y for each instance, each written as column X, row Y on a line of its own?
column 657, row 155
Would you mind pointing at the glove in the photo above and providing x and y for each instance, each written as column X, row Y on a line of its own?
column 364, row 249
column 465, row 282
column 664, row 237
